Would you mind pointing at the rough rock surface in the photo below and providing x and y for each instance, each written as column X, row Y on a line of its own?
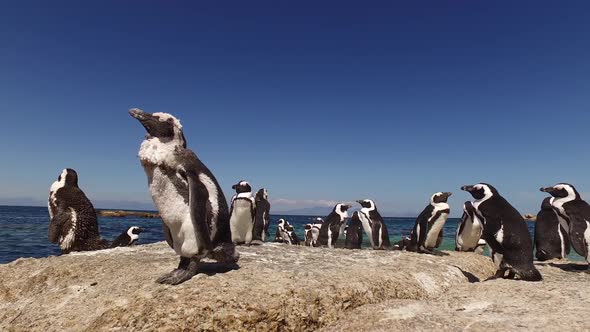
column 285, row 288
column 560, row 302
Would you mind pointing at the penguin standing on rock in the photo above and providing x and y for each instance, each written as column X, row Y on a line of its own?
column 334, row 225
column 262, row 216
column 286, row 233
column 551, row 239
column 373, row 225
column 312, row 232
column 506, row 232
column 427, row 233
column 191, row 203
column 574, row 215
column 354, row 232
column 469, row 230
column 73, row 223
column 243, row 210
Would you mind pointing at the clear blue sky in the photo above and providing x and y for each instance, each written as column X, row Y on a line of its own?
column 317, row 101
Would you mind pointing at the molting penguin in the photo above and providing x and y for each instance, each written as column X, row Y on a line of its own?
column 469, row 230
column 312, row 232
column 73, row 223
column 334, row 225
column 506, row 232
column 354, row 232
column 551, row 239
column 574, row 215
column 262, row 216
column 127, row 238
column 373, row 224
column 243, row 210
column 427, row 233
column 191, row 203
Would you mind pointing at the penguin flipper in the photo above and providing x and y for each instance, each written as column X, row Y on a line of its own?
column 167, row 235
column 375, row 234
column 439, row 240
column 56, row 224
column 198, row 198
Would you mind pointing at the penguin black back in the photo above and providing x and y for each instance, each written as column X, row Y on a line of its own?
column 262, row 216
column 354, row 233
column 551, row 239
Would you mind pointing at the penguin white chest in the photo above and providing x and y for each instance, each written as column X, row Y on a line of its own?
column 434, row 231
column 241, row 222
column 170, row 195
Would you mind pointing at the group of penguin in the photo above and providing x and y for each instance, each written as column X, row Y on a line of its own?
column 198, row 224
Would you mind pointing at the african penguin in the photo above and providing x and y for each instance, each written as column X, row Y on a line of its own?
column 574, row 215
column 333, row 226
column 192, row 205
column 427, row 233
column 73, row 223
column 127, row 238
column 243, row 210
column 286, row 233
column 354, row 232
column 262, row 216
column 506, row 232
column 551, row 239
column 312, row 232
column 469, row 230
column 373, row 224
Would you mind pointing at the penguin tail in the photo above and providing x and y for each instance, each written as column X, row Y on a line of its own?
column 225, row 253
column 531, row 274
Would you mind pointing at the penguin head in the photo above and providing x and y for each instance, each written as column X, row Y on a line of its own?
column 440, row 197
column 242, row 187
column 163, row 126
column 68, row 177
column 342, row 208
column 562, row 190
column 282, row 223
column 261, row 194
column 355, row 216
column 480, row 190
column 318, row 220
column 367, row 203
column 133, row 232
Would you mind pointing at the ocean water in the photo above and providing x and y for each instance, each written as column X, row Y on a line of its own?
column 23, row 231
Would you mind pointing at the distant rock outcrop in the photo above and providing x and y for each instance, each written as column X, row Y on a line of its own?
column 276, row 287
column 530, row 217
column 123, row 214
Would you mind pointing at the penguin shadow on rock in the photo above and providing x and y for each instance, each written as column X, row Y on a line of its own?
column 73, row 223
column 573, row 214
column 193, row 208
column 427, row 233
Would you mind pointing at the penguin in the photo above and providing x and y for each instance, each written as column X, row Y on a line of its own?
column 286, row 233
column 127, row 238
column 261, row 216
column 354, row 232
column 427, row 233
column 374, row 225
column 469, row 230
column 551, row 239
column 312, row 232
column 243, row 211
column 73, row 223
column 506, row 232
column 334, row 225
column 574, row 215
column 191, row 203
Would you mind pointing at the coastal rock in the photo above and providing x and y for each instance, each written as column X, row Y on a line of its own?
column 275, row 287
column 123, row 214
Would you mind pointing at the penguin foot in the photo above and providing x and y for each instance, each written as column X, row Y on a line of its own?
column 187, row 268
column 225, row 253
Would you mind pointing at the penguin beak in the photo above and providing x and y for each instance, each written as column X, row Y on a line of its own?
column 467, row 188
column 447, row 194
column 139, row 230
column 548, row 190
column 360, row 201
column 147, row 120
column 138, row 114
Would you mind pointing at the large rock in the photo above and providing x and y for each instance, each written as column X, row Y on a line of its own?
column 276, row 287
